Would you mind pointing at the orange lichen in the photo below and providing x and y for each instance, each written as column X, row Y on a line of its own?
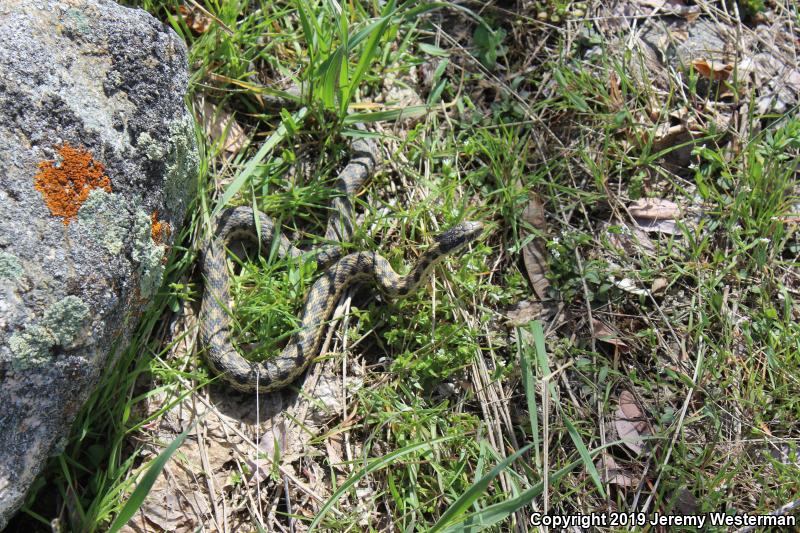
column 159, row 230
column 67, row 186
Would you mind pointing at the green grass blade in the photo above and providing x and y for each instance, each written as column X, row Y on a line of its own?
column 585, row 457
column 413, row 111
column 541, row 354
column 143, row 488
column 238, row 182
column 374, row 465
column 498, row 512
column 369, row 50
column 464, row 501
column 529, row 384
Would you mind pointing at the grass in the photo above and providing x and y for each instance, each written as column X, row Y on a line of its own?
column 454, row 420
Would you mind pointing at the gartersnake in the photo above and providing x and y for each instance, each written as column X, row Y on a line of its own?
column 239, row 223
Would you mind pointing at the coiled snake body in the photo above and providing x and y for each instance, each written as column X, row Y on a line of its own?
column 238, row 223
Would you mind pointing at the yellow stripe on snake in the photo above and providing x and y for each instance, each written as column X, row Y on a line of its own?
column 239, row 223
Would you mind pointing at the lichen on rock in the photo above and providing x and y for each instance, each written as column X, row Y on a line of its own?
column 150, row 147
column 182, row 161
column 106, row 218
column 59, row 326
column 65, row 318
column 84, row 108
column 148, row 254
column 10, row 266
column 66, row 185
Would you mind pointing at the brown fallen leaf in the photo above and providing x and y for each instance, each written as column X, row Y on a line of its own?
column 713, row 70
column 197, row 21
column 659, row 284
column 605, row 333
column 611, row 472
column 629, row 421
column 676, row 8
column 218, row 123
column 534, row 254
column 523, row 312
column 687, row 504
column 334, row 445
column 654, row 209
column 630, row 239
column 668, row 227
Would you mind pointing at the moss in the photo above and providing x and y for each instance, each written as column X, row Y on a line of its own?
column 182, row 163
column 10, row 266
column 60, row 326
column 148, row 254
column 106, row 218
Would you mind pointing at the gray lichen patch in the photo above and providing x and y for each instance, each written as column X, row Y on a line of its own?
column 151, row 148
column 10, row 266
column 106, row 218
column 65, row 318
column 182, row 164
column 31, row 346
column 60, row 326
column 148, row 254
column 111, row 224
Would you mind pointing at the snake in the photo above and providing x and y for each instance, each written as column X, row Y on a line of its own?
column 340, row 272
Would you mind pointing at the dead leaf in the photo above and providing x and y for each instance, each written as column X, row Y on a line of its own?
column 274, row 437
column 713, row 70
column 523, row 312
column 654, row 209
column 659, row 284
column 164, row 509
column 197, row 21
column 631, row 240
column 218, row 123
column 655, row 215
column 334, row 445
column 658, row 226
column 612, row 473
column 533, row 213
column 672, row 7
column 260, row 470
column 534, row 254
column 630, row 423
column 680, row 35
column 628, row 285
column 605, row 333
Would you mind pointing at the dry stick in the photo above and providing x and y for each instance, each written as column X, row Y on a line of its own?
column 207, row 468
column 260, row 516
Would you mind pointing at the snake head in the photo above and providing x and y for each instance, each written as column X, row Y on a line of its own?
column 458, row 236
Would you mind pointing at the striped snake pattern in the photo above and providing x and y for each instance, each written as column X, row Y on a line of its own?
column 239, row 224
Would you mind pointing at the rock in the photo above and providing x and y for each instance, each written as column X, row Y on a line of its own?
column 97, row 165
